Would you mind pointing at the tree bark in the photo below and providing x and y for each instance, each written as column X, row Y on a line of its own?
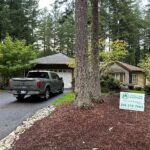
column 82, row 97
column 95, row 74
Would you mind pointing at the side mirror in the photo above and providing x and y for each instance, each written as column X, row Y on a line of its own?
column 60, row 78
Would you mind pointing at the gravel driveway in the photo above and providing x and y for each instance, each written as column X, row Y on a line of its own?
column 12, row 112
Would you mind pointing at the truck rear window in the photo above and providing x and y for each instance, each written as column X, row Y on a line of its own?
column 38, row 75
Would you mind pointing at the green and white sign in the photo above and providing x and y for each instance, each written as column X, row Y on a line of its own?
column 132, row 101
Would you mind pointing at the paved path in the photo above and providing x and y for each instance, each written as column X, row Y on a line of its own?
column 12, row 112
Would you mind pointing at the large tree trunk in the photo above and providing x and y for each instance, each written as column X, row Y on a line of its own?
column 82, row 98
column 95, row 75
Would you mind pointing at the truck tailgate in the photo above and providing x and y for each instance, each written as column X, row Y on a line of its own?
column 24, row 84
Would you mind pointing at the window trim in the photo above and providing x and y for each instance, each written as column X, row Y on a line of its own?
column 134, row 78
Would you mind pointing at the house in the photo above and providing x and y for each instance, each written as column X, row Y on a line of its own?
column 58, row 63
column 128, row 74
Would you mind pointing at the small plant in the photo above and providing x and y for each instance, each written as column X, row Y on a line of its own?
column 147, row 89
column 131, row 87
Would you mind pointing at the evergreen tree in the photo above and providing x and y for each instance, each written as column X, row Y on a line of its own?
column 18, row 19
column 95, row 74
column 82, row 98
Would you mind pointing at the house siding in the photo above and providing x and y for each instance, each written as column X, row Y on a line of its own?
column 141, row 79
column 147, row 82
column 116, row 66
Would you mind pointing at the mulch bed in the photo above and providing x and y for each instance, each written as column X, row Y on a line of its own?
column 104, row 127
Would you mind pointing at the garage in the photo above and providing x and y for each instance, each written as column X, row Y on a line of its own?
column 58, row 63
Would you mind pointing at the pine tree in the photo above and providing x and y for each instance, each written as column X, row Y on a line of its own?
column 82, row 97
column 95, row 74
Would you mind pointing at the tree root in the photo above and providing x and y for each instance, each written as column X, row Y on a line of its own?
column 98, row 101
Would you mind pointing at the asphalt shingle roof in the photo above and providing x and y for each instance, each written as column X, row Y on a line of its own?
column 130, row 67
column 54, row 59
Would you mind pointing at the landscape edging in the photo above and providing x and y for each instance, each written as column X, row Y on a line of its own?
column 7, row 142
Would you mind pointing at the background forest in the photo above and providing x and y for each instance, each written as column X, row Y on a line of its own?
column 52, row 31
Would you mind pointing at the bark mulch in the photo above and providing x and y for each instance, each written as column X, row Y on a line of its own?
column 104, row 127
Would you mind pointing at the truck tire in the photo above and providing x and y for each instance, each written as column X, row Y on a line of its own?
column 47, row 94
column 62, row 90
column 20, row 97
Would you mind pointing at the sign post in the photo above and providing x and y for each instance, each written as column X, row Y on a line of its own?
column 132, row 101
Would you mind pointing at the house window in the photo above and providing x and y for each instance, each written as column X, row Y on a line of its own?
column 119, row 76
column 134, row 78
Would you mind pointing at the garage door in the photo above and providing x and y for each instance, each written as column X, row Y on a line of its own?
column 66, row 74
column 67, row 77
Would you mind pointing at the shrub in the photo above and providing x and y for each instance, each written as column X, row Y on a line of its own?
column 138, row 88
column 124, row 87
column 104, row 90
column 147, row 89
column 131, row 87
column 109, row 83
column 113, row 85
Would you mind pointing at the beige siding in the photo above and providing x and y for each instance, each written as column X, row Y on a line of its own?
column 147, row 82
column 140, row 80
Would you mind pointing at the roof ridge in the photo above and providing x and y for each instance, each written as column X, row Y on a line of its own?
column 129, row 66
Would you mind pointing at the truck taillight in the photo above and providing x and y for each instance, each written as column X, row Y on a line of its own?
column 39, row 84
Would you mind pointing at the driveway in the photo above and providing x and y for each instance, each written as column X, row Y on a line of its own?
column 12, row 112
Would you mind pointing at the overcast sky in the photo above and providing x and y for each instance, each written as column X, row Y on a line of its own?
column 46, row 3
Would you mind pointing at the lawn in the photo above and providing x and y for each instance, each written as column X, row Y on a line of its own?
column 66, row 98
column 69, row 97
column 134, row 91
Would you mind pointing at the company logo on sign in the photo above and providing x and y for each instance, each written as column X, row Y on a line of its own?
column 125, row 95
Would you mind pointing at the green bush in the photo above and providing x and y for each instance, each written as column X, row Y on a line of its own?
column 104, row 90
column 147, row 89
column 138, row 88
column 109, row 83
column 131, row 87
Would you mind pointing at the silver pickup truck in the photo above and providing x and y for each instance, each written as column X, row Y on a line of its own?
column 41, row 83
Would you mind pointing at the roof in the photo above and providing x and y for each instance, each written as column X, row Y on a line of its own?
column 130, row 67
column 115, row 70
column 54, row 59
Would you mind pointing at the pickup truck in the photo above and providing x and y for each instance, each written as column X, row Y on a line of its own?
column 37, row 82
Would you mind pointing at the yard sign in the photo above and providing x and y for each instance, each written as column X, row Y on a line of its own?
column 132, row 101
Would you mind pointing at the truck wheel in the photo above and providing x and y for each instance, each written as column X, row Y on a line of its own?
column 47, row 94
column 20, row 97
column 62, row 90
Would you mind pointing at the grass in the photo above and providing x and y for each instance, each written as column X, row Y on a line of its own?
column 69, row 97
column 1, row 90
column 66, row 98
column 105, row 94
column 134, row 91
